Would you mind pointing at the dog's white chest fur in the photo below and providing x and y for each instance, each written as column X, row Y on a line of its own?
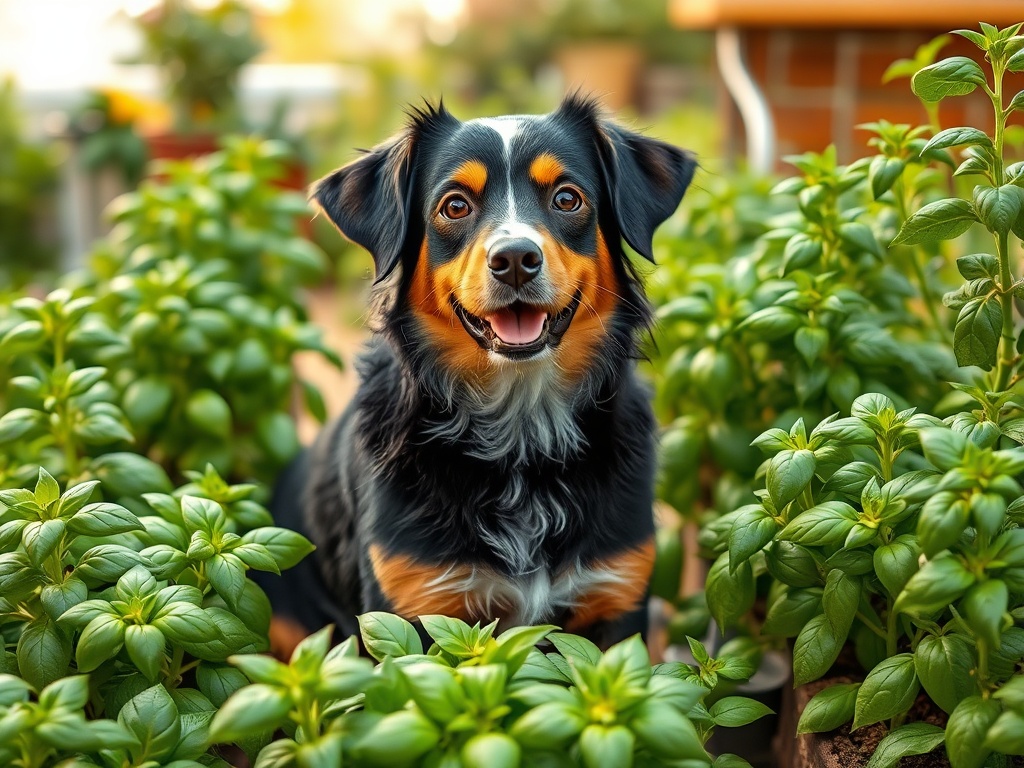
column 529, row 598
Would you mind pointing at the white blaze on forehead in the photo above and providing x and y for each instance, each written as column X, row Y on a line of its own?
column 508, row 128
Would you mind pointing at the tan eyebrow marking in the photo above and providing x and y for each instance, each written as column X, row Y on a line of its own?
column 546, row 169
column 472, row 174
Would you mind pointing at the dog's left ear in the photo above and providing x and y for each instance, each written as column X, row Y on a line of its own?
column 647, row 179
column 368, row 200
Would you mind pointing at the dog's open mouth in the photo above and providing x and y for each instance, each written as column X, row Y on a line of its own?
column 519, row 330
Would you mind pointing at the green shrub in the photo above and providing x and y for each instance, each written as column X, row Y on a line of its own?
column 482, row 701
column 893, row 530
column 129, row 618
column 178, row 342
column 121, row 597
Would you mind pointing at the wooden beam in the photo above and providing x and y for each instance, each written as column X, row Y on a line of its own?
column 940, row 15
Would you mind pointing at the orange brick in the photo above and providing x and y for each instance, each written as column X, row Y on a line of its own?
column 803, row 129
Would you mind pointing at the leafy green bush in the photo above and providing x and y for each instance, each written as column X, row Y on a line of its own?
column 479, row 700
column 893, row 530
column 121, row 597
column 177, row 343
column 791, row 315
column 131, row 618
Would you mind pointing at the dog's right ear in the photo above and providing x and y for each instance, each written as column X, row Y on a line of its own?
column 369, row 199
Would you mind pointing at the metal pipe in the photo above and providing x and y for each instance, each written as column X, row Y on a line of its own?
column 757, row 117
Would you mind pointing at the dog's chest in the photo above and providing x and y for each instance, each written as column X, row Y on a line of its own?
column 534, row 597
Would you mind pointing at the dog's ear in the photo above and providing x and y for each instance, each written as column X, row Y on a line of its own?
column 369, row 199
column 646, row 178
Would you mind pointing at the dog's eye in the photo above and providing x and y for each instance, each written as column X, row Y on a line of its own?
column 567, row 199
column 455, row 207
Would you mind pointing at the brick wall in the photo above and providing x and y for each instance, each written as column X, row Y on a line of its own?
column 820, row 84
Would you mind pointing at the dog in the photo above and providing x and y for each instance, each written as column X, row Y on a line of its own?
column 498, row 459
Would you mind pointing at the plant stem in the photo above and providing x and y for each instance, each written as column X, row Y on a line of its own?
column 309, row 719
column 1007, row 341
column 982, row 662
column 891, row 633
column 872, row 626
column 916, row 262
column 885, row 459
column 174, row 670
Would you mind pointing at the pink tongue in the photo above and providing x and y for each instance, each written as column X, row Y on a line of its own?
column 520, row 327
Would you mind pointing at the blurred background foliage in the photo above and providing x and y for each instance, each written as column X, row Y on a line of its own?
column 164, row 78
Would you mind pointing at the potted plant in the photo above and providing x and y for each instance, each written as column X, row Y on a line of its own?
column 200, row 53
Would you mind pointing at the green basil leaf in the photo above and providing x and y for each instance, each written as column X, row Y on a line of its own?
column 939, row 583
column 730, row 592
column 944, row 666
column 984, row 606
column 788, row 614
column 967, row 731
column 153, row 719
column 208, row 412
column 998, row 207
column 101, row 639
column 398, row 738
column 103, row 519
column 44, row 652
column 667, row 733
column 1006, row 735
column 385, row 634
column 41, row 539
column 955, row 76
column 287, row 547
column 910, row 739
column 227, row 575
column 734, row 711
column 491, row 750
column 549, row 726
column 106, row 563
column 792, row 564
column 825, row 524
column 955, row 137
column 840, row 600
column 894, row 563
column 129, row 474
column 252, row 709
column 816, row 649
column 789, row 472
column 59, row 598
column 883, row 173
column 145, row 645
column 829, row 709
column 19, row 422
column 606, row 746
column 752, row 530
column 888, row 690
column 941, row 220
column 976, row 335
column 218, row 682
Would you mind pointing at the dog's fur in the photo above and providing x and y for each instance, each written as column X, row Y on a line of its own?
column 473, row 477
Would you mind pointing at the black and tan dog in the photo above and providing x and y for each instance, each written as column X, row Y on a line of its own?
column 498, row 458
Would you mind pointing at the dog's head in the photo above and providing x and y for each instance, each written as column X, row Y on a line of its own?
column 509, row 230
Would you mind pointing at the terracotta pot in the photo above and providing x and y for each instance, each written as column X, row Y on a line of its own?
column 179, row 146
column 610, row 70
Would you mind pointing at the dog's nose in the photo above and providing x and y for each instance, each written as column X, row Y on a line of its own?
column 515, row 261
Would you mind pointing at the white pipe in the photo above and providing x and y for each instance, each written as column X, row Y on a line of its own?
column 757, row 117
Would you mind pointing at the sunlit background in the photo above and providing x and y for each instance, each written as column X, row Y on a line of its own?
column 100, row 86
